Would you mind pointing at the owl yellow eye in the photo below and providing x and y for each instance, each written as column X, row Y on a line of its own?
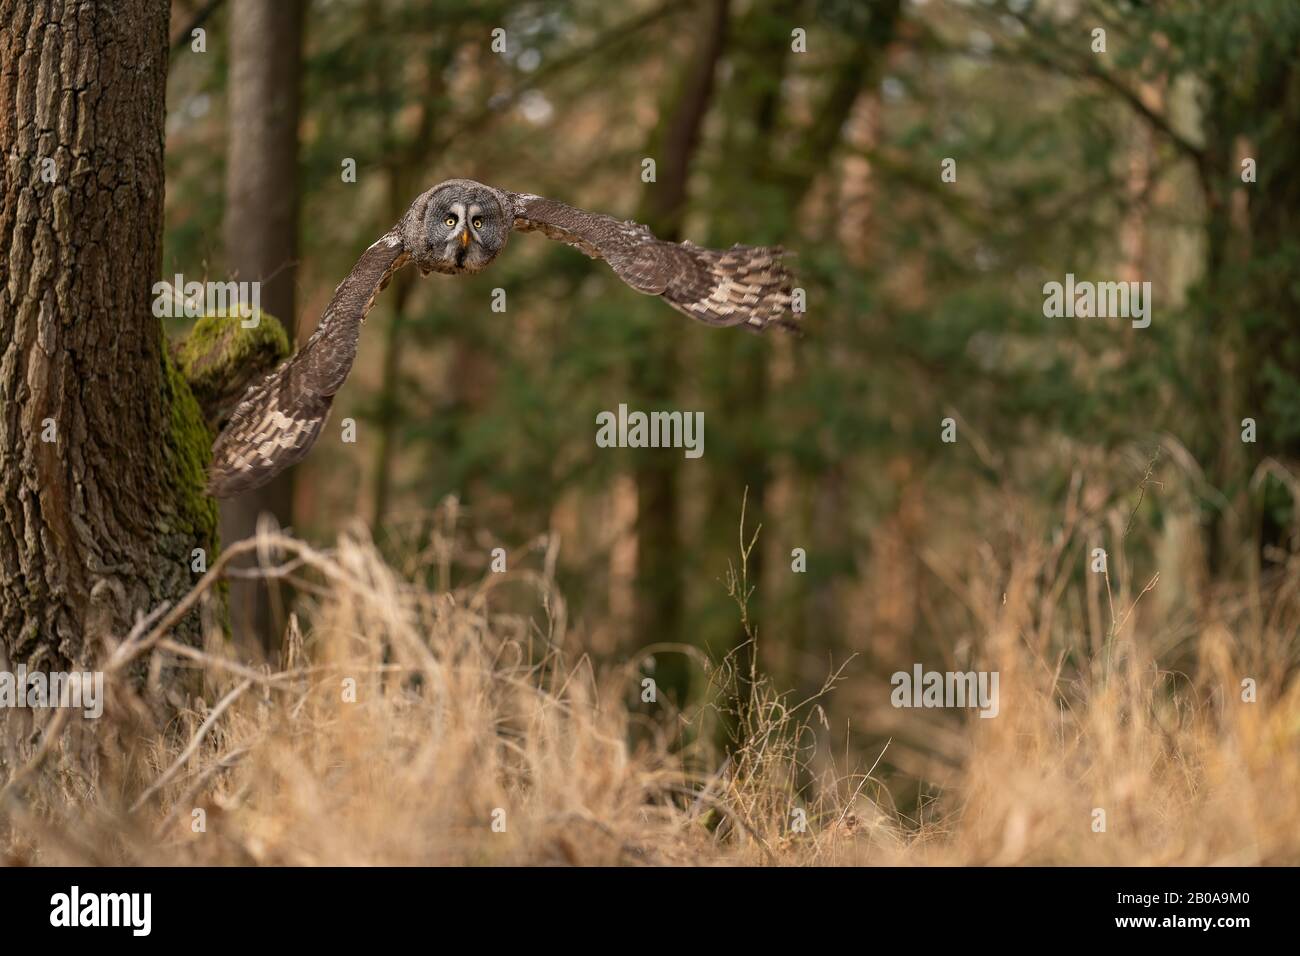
column 450, row 220
column 478, row 222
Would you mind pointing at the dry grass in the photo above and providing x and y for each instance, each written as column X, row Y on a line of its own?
column 475, row 701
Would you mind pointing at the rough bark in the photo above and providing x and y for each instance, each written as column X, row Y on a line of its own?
column 99, row 523
column 261, row 238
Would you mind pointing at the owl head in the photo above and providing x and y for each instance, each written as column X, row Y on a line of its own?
column 458, row 227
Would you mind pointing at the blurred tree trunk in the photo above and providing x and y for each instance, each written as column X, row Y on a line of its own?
column 654, row 372
column 789, row 184
column 763, row 219
column 1249, row 303
column 1266, row 260
column 665, row 205
column 886, row 599
column 261, row 240
column 103, row 445
column 854, row 89
column 408, row 162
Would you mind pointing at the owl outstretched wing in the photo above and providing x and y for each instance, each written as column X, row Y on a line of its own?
column 279, row 419
column 744, row 285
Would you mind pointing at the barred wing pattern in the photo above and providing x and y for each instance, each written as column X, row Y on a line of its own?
column 279, row 419
column 743, row 285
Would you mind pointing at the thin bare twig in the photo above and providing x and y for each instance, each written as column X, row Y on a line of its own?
column 193, row 746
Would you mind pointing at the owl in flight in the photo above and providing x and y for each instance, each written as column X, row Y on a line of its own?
column 458, row 227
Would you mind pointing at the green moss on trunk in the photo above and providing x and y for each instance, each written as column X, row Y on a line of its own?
column 204, row 376
column 220, row 358
column 188, row 451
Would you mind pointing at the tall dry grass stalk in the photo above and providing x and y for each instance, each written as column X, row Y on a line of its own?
column 406, row 719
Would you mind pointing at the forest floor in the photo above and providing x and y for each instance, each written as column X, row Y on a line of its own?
column 415, row 725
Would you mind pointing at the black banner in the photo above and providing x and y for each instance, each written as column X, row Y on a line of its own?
column 923, row 906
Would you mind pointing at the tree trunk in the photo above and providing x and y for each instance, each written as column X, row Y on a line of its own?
column 261, row 239
column 102, row 445
column 407, row 162
column 1264, row 261
column 654, row 373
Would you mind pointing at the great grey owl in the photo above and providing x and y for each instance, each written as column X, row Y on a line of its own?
column 458, row 227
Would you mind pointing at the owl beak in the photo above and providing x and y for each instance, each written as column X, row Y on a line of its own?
column 464, row 239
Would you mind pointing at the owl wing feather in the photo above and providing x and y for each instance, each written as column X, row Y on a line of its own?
column 744, row 285
column 279, row 419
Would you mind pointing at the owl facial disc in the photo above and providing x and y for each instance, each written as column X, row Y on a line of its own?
column 456, row 228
